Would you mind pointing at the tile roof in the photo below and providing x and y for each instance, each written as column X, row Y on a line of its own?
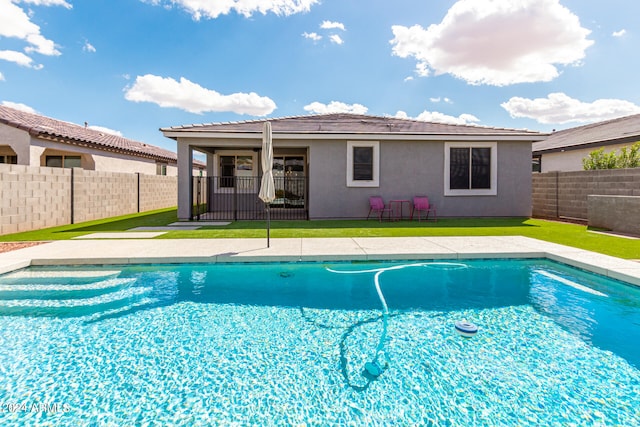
column 341, row 123
column 60, row 131
column 620, row 130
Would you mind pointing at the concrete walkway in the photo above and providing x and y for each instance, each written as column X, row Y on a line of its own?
column 144, row 251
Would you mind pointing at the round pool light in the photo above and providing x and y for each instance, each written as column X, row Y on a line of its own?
column 466, row 329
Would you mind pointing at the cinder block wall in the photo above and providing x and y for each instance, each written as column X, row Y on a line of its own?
column 99, row 195
column 564, row 194
column 544, row 195
column 617, row 213
column 32, row 198
column 157, row 192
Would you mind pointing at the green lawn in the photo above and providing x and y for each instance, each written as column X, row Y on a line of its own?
column 567, row 234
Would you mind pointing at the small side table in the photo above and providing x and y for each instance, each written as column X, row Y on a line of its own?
column 399, row 203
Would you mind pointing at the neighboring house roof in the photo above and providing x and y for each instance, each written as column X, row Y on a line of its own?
column 617, row 131
column 351, row 124
column 59, row 131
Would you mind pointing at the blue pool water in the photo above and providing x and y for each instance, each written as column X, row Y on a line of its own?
column 286, row 344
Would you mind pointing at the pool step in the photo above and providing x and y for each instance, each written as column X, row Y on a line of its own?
column 61, row 290
column 50, row 277
column 119, row 311
column 92, row 293
column 74, row 307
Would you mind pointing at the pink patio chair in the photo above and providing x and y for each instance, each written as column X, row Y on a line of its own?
column 377, row 206
column 421, row 204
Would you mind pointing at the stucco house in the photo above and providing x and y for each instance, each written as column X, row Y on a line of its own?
column 327, row 166
column 36, row 140
column 564, row 150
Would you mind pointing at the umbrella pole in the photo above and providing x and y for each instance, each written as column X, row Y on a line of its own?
column 268, row 223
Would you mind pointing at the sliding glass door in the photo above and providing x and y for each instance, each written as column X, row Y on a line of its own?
column 290, row 183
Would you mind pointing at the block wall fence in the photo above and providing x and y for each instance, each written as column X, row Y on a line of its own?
column 32, row 198
column 563, row 195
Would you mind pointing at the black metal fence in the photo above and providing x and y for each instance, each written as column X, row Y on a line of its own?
column 236, row 198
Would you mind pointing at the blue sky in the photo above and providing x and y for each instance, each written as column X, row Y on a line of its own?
column 133, row 66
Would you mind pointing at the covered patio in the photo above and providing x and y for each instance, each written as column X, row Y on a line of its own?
column 229, row 188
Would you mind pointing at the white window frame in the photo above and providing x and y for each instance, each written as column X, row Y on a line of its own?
column 235, row 153
column 375, row 182
column 493, row 191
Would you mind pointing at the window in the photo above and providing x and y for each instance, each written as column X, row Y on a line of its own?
column 536, row 165
column 161, row 168
column 12, row 160
column 363, row 164
column 232, row 170
column 63, row 161
column 470, row 169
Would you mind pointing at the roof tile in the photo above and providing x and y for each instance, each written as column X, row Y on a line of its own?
column 44, row 126
column 625, row 128
column 340, row 123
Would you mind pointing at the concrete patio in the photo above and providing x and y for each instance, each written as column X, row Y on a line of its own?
column 146, row 251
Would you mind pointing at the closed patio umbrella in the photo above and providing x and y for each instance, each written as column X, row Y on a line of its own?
column 267, row 187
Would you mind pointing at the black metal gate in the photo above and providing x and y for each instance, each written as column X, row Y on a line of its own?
column 236, row 198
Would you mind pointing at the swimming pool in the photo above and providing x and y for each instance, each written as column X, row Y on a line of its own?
column 286, row 344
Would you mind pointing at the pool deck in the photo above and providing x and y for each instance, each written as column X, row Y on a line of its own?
column 148, row 251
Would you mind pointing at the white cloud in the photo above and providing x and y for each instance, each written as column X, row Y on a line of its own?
column 88, row 47
column 46, row 3
column 336, row 39
column 328, row 25
column 558, row 108
column 620, row 33
column 16, row 57
column 214, row 8
column 191, row 97
column 106, row 130
column 15, row 23
column 313, row 36
column 439, row 99
column 335, row 107
column 19, row 106
column 1, row 77
column 435, row 117
column 496, row 42
column 41, row 45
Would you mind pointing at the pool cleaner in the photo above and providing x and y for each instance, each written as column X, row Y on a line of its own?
column 376, row 367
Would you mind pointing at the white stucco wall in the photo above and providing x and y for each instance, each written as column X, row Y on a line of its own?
column 18, row 140
column 32, row 151
column 571, row 160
